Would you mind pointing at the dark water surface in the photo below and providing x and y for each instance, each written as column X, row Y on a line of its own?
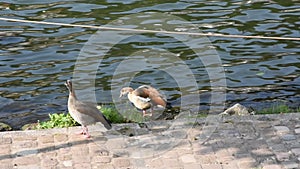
column 36, row 59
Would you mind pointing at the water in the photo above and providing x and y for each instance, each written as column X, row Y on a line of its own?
column 36, row 59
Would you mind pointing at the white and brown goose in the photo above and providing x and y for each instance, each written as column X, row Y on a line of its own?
column 83, row 112
column 144, row 97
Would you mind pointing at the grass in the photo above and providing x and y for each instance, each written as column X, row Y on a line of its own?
column 57, row 120
column 112, row 114
column 278, row 109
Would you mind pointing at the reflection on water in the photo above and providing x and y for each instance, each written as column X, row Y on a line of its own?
column 35, row 59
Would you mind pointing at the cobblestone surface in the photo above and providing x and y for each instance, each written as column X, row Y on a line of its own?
column 234, row 142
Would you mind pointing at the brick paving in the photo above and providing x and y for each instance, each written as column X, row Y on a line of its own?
column 234, row 142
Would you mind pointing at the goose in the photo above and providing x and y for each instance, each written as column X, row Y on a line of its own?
column 145, row 97
column 84, row 113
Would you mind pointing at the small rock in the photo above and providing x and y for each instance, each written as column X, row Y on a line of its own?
column 5, row 127
column 237, row 109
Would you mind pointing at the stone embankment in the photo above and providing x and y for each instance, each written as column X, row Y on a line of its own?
column 215, row 142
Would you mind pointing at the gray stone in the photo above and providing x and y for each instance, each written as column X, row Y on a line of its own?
column 288, row 137
column 296, row 151
column 297, row 130
column 290, row 165
column 282, row 129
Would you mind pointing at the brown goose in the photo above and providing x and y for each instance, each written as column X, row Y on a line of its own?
column 84, row 113
column 144, row 97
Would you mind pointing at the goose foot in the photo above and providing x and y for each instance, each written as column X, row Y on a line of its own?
column 85, row 132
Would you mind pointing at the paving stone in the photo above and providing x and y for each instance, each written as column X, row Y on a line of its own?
column 282, row 156
column 116, row 143
column 64, row 157
column 4, row 140
column 288, row 137
column 102, row 166
column 6, row 163
column 24, row 137
column 121, row 162
column 170, row 163
column 211, row 166
column 44, row 139
column 277, row 147
column 272, row 166
column 28, row 160
column 49, row 162
column 282, row 129
column 246, row 162
column 181, row 151
column 192, row 166
column 33, row 166
column 204, row 150
column 60, row 137
column 188, row 158
column 206, row 159
column 233, row 150
column 82, row 166
column 296, row 151
column 154, row 163
column 24, row 145
column 222, row 153
column 4, row 150
column 102, row 159
column 225, row 160
column 230, row 165
column 80, row 158
column 170, row 154
column 119, row 153
column 290, row 165
column 297, row 130
column 80, row 150
column 68, row 163
column 262, row 152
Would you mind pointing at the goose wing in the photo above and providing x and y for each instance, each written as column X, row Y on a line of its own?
column 91, row 110
column 154, row 95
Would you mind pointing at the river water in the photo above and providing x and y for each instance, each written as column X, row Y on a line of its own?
column 210, row 71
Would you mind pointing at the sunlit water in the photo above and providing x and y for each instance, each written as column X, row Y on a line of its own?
column 36, row 59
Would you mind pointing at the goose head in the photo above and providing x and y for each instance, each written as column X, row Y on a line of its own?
column 125, row 91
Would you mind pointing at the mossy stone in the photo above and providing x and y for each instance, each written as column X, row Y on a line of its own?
column 5, row 127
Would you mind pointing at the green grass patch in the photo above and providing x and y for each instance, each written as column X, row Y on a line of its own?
column 277, row 109
column 57, row 120
column 63, row 120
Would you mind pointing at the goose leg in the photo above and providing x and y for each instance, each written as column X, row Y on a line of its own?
column 86, row 132
column 82, row 130
column 151, row 111
column 144, row 113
